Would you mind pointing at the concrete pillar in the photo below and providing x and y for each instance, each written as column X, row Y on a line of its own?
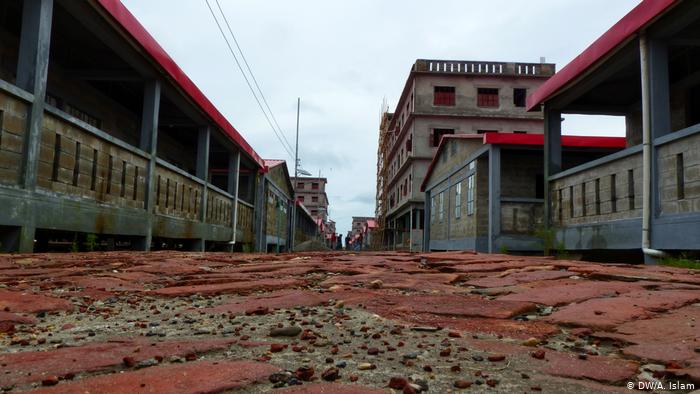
column 260, row 213
column 149, row 144
column 552, row 156
column 658, row 113
column 32, row 72
column 203, row 174
column 234, row 165
column 426, row 222
column 494, row 196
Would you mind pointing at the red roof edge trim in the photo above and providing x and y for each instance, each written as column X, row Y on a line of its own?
column 625, row 28
column 134, row 28
column 571, row 141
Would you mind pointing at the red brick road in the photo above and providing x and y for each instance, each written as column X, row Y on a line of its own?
column 558, row 324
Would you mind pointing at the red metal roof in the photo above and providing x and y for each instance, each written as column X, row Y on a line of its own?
column 624, row 29
column 566, row 140
column 572, row 141
column 134, row 28
column 272, row 162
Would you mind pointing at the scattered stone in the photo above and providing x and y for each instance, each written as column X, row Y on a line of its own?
column 376, row 284
column 397, row 383
column 425, row 329
column 496, row 358
column 462, row 384
column 532, row 342
column 330, row 374
column 277, row 347
column 304, row 373
column 290, row 331
column 51, row 380
column 538, row 354
column 366, row 366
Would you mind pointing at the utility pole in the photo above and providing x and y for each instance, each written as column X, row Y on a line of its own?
column 296, row 174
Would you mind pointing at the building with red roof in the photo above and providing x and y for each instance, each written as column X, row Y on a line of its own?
column 444, row 97
column 102, row 133
column 646, row 197
column 486, row 192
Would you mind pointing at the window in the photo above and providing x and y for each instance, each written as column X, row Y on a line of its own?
column 437, row 134
column 458, row 200
column 432, row 209
column 314, row 198
column 519, row 97
column 314, row 212
column 441, row 212
column 314, row 185
column 300, row 185
column 539, row 186
column 444, row 96
column 487, row 97
column 519, row 132
column 301, row 198
column 486, row 131
column 470, row 195
column 82, row 115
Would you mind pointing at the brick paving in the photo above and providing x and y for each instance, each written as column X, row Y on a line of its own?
column 342, row 323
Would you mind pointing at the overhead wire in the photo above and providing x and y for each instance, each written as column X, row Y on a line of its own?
column 279, row 136
column 250, row 71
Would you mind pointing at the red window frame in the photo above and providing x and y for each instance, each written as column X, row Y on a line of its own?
column 487, row 97
column 444, row 96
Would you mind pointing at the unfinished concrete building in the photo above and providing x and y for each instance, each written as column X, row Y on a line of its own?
column 102, row 133
column 311, row 191
column 440, row 98
column 486, row 192
column 646, row 197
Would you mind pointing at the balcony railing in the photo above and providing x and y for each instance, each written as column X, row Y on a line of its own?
column 85, row 164
column 610, row 188
column 484, row 68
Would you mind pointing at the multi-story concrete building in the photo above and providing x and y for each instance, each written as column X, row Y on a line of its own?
column 311, row 191
column 443, row 98
column 102, row 133
column 646, row 197
column 486, row 192
column 278, row 207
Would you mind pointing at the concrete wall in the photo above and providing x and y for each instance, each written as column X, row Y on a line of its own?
column 466, row 95
column 418, row 117
column 466, row 226
column 604, row 204
column 679, row 160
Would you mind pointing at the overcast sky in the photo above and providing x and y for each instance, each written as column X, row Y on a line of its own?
column 343, row 57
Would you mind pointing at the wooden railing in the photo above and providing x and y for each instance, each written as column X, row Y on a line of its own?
column 245, row 220
column 177, row 193
column 13, row 118
column 80, row 161
column 609, row 188
column 74, row 160
column 219, row 207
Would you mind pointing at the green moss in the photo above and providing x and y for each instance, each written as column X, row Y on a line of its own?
column 681, row 261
